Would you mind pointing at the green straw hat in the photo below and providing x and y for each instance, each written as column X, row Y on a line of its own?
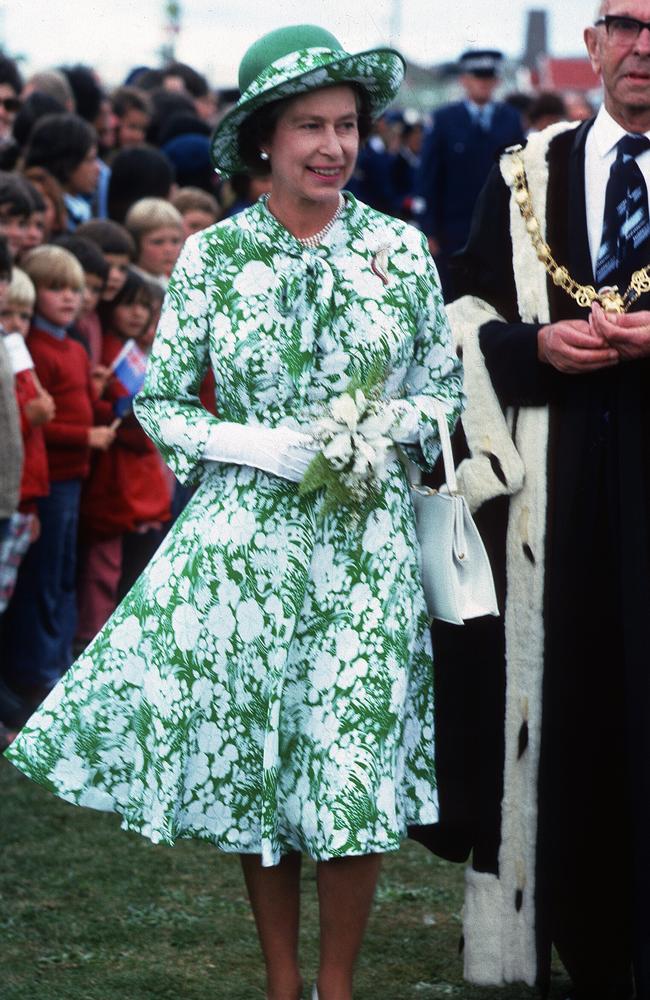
column 295, row 60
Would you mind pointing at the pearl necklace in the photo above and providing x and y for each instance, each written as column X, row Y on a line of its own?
column 311, row 242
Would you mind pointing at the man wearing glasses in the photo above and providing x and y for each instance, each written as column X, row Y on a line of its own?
column 554, row 321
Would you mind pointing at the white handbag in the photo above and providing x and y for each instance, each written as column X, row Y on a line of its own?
column 456, row 574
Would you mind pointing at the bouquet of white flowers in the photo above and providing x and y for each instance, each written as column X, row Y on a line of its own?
column 356, row 446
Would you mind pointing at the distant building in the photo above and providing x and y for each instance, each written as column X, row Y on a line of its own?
column 427, row 87
column 567, row 74
column 547, row 72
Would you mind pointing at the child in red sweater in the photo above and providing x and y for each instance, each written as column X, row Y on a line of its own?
column 95, row 269
column 126, row 499
column 40, row 622
column 36, row 405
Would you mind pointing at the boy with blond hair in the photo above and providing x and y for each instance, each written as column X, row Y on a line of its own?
column 35, row 408
column 40, row 622
column 36, row 405
column 17, row 306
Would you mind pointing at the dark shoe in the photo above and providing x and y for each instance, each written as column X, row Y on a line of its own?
column 622, row 993
column 14, row 709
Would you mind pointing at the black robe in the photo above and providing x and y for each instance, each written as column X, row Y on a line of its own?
column 593, row 877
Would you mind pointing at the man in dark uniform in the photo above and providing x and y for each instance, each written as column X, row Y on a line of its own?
column 406, row 164
column 555, row 801
column 459, row 153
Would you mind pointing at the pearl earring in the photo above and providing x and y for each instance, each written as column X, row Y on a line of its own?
column 263, row 155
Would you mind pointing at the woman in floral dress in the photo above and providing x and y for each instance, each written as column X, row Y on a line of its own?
column 267, row 683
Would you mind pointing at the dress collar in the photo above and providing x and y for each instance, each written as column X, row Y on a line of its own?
column 286, row 240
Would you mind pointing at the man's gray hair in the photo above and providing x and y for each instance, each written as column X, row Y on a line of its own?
column 601, row 9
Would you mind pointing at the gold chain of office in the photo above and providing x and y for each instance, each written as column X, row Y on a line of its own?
column 608, row 297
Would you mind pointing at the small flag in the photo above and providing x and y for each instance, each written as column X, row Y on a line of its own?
column 130, row 367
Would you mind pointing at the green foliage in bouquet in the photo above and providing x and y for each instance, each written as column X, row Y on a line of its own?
column 321, row 475
column 340, row 488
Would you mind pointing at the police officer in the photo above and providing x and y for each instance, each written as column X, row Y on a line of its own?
column 459, row 152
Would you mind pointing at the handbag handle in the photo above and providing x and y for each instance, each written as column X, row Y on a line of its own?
column 440, row 415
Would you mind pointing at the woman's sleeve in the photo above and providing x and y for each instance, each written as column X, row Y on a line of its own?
column 435, row 372
column 169, row 407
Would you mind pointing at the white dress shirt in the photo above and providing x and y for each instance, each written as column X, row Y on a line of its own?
column 600, row 153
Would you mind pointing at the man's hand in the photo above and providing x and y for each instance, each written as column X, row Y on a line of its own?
column 628, row 333
column 574, row 347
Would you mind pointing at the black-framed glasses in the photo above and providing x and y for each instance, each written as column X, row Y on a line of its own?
column 11, row 103
column 621, row 29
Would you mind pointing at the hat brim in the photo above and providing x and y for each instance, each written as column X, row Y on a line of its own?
column 379, row 71
column 482, row 74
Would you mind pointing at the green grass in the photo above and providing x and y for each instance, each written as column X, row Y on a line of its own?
column 91, row 913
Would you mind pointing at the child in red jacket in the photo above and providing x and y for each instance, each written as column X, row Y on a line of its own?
column 36, row 405
column 96, row 269
column 126, row 500
column 35, row 408
column 40, row 623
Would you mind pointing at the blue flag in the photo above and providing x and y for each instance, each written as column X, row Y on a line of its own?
column 130, row 367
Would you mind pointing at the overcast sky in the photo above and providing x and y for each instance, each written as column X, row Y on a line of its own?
column 114, row 35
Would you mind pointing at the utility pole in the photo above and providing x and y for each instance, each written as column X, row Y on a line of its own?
column 395, row 26
column 172, row 12
column 536, row 39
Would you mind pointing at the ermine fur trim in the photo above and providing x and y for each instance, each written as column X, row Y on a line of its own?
column 499, row 920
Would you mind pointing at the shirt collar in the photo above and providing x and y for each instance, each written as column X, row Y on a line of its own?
column 43, row 324
column 78, row 208
column 607, row 132
column 479, row 110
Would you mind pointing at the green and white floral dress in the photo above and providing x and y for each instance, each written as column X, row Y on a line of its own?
column 267, row 683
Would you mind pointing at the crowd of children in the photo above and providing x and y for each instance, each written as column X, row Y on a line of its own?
column 98, row 192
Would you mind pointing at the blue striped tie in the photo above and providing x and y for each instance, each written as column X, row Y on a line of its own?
column 626, row 221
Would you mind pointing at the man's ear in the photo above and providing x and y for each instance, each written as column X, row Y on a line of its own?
column 592, row 41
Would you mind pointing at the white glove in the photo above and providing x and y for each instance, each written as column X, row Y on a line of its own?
column 279, row 450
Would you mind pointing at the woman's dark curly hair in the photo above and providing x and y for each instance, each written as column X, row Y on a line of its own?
column 257, row 130
column 60, row 143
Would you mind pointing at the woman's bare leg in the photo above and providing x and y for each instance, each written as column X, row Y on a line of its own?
column 275, row 898
column 346, row 887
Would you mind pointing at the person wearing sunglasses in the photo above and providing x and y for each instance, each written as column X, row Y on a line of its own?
column 547, row 778
column 11, row 85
